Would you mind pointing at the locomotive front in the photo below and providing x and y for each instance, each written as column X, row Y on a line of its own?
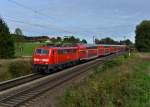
column 41, row 59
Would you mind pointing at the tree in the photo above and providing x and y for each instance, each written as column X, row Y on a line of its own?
column 19, row 39
column 126, row 42
column 71, row 39
column 84, row 41
column 53, row 39
column 142, row 38
column 18, row 31
column 18, row 35
column 7, row 49
column 59, row 39
column 106, row 40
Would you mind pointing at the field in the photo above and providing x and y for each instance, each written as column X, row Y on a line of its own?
column 121, row 82
column 27, row 48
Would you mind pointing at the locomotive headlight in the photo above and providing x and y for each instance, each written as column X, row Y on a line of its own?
column 45, row 60
column 36, row 59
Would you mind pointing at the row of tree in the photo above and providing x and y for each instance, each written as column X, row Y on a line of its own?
column 108, row 40
column 67, row 39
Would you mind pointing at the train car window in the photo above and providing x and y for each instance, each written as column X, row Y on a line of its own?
column 41, row 51
column 82, row 51
column 67, row 51
column 53, row 52
column 74, row 50
column 60, row 51
column 92, row 47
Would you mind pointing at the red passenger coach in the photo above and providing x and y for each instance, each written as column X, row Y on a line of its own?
column 82, row 52
column 87, row 52
column 101, row 50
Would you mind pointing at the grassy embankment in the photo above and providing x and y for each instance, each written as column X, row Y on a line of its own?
column 13, row 68
column 121, row 82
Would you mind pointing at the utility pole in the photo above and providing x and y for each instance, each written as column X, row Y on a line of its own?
column 93, row 40
column 124, row 40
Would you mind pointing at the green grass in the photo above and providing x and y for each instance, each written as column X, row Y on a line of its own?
column 123, row 84
column 13, row 68
column 28, row 48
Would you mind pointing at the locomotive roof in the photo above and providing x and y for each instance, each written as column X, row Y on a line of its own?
column 49, row 47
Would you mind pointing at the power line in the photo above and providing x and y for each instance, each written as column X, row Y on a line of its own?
column 14, row 2
column 27, row 23
column 12, row 19
column 29, row 8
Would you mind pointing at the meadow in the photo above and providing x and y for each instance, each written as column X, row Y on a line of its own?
column 27, row 48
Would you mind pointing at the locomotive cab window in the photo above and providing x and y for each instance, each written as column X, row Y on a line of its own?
column 41, row 51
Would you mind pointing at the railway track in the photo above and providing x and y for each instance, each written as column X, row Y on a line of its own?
column 18, row 81
column 19, row 98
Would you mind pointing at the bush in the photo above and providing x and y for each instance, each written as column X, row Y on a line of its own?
column 111, row 63
column 5, row 76
column 20, row 68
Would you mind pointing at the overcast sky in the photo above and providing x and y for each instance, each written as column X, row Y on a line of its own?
column 82, row 18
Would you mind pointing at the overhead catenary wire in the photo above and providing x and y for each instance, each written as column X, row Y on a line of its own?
column 26, row 23
column 29, row 8
column 13, row 19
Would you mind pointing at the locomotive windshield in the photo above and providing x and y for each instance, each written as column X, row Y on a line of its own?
column 42, row 51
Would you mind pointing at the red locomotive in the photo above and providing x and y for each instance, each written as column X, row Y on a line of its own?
column 49, row 58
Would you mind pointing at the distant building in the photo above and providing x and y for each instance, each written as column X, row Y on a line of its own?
column 37, row 39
